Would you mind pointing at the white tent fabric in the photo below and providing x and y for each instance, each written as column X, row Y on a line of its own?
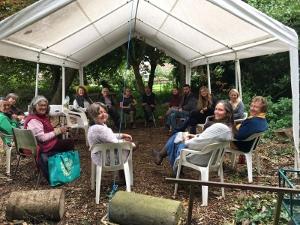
column 74, row 33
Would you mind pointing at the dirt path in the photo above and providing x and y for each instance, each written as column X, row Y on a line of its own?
column 148, row 179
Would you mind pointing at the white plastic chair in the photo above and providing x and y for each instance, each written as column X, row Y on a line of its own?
column 201, row 125
column 255, row 138
column 242, row 119
column 113, row 157
column 55, row 110
column 7, row 148
column 214, row 163
column 77, row 120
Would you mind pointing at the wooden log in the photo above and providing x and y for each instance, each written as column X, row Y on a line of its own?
column 129, row 208
column 36, row 205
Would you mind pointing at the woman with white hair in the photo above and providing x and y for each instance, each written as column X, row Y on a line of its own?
column 236, row 103
column 15, row 112
column 47, row 137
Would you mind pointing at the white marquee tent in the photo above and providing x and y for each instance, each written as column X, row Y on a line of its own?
column 74, row 33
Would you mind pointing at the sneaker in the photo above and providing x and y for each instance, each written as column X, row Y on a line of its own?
column 242, row 159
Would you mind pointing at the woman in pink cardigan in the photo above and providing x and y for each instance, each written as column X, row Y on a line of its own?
column 47, row 137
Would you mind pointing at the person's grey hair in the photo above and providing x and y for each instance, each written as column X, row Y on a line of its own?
column 2, row 101
column 35, row 101
column 93, row 110
column 12, row 95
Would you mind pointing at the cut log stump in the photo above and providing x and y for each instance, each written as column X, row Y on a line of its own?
column 36, row 205
column 129, row 208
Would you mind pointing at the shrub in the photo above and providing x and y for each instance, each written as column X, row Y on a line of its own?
column 259, row 209
column 279, row 115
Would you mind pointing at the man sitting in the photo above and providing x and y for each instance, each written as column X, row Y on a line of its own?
column 188, row 103
column 255, row 123
column 148, row 103
column 7, row 123
column 128, row 103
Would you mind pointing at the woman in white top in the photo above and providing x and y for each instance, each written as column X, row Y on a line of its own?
column 100, row 132
column 217, row 130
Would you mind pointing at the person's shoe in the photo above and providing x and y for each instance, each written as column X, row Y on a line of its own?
column 157, row 157
column 121, row 178
column 242, row 159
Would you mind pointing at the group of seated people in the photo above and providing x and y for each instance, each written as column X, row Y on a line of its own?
column 127, row 104
column 193, row 111
column 220, row 127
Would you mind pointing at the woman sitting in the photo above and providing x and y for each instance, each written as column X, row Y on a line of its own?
column 7, row 122
column 218, row 130
column 49, row 144
column 205, row 107
column 100, row 132
column 82, row 100
column 237, row 104
column 15, row 112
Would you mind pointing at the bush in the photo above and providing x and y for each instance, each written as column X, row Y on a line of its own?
column 259, row 209
column 279, row 115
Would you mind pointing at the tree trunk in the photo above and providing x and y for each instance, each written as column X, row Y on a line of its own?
column 39, row 205
column 181, row 69
column 138, row 79
column 135, row 209
column 152, row 73
column 70, row 75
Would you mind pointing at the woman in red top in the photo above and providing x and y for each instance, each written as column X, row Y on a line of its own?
column 47, row 137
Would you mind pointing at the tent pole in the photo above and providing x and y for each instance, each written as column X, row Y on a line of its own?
column 208, row 78
column 294, row 65
column 37, row 78
column 188, row 74
column 81, row 75
column 63, row 89
column 238, row 77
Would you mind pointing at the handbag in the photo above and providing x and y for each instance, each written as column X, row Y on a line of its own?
column 64, row 167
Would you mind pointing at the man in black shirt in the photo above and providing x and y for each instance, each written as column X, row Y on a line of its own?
column 148, row 103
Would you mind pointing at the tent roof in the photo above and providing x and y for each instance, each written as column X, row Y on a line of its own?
column 194, row 32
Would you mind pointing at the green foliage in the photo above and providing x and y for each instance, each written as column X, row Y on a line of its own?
column 279, row 114
column 259, row 209
column 9, row 7
column 285, row 11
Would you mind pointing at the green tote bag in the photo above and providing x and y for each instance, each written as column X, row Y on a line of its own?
column 63, row 168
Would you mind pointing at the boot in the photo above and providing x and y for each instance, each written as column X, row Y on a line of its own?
column 159, row 156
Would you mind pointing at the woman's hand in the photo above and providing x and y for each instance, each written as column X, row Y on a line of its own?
column 126, row 137
column 189, row 136
column 63, row 129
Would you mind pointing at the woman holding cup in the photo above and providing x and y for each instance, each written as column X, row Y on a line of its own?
column 46, row 135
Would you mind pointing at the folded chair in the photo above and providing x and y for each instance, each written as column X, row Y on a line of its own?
column 77, row 120
column 7, row 148
column 112, row 157
column 255, row 138
column 214, row 163
column 26, row 146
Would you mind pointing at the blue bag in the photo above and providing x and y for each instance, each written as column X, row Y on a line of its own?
column 63, row 168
